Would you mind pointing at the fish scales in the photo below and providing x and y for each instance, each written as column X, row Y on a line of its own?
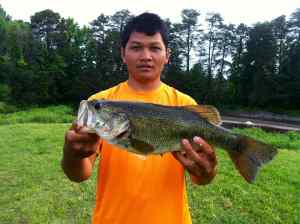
column 157, row 117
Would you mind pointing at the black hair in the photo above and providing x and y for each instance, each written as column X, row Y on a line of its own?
column 148, row 23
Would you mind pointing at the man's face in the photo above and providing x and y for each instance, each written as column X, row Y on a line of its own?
column 145, row 56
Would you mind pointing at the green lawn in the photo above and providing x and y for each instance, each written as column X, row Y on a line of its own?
column 51, row 114
column 34, row 189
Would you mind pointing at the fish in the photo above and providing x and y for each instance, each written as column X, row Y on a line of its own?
column 147, row 128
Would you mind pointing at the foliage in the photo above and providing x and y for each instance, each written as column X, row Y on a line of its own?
column 259, row 60
column 52, row 60
column 7, row 108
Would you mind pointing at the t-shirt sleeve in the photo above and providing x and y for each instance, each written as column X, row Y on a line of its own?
column 100, row 95
column 185, row 100
column 190, row 101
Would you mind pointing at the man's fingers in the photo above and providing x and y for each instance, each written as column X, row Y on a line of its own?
column 205, row 148
column 200, row 158
column 191, row 153
column 75, row 126
column 81, row 130
column 179, row 156
column 81, row 144
column 73, row 136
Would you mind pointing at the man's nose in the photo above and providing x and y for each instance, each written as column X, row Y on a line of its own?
column 146, row 55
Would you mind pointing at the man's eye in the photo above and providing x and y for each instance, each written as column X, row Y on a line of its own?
column 156, row 48
column 135, row 48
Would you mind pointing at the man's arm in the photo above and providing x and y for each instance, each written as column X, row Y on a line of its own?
column 79, row 153
column 199, row 159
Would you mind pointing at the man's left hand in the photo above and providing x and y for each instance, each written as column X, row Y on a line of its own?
column 199, row 158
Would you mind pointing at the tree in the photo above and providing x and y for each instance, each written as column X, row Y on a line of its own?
column 280, row 29
column 3, row 48
column 50, row 32
column 189, row 30
column 119, row 20
column 117, row 24
column 290, row 78
column 4, row 74
column 237, row 65
column 257, row 78
column 212, row 37
column 44, row 26
column 292, row 81
column 18, row 35
column 176, row 47
column 100, row 31
column 4, row 15
column 109, row 65
column 54, row 60
column 225, row 50
column 211, row 41
column 99, row 27
column 294, row 26
column 3, row 30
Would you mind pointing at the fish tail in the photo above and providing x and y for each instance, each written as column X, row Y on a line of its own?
column 249, row 155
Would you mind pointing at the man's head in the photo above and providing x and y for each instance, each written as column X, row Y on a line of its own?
column 147, row 23
column 144, row 48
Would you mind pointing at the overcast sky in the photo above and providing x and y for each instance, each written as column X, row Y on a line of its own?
column 83, row 12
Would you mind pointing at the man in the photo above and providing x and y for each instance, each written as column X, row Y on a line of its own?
column 133, row 188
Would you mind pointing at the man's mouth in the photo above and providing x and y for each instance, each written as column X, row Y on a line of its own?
column 144, row 67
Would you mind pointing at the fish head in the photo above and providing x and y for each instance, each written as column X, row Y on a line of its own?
column 109, row 121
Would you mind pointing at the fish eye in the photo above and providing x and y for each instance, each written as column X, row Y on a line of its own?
column 97, row 105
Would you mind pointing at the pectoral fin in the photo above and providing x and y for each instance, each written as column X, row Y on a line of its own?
column 141, row 146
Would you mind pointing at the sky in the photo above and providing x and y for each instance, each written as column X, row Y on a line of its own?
column 83, row 12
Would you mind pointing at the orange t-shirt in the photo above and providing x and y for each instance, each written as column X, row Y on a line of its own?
column 134, row 189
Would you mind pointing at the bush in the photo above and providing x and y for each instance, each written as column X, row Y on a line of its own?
column 7, row 108
column 5, row 92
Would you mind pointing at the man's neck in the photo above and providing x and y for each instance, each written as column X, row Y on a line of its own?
column 145, row 86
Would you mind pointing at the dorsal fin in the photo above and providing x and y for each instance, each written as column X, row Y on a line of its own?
column 208, row 112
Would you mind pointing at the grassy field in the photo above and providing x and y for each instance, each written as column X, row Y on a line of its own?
column 53, row 114
column 34, row 189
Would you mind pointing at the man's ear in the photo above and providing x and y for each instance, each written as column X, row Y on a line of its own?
column 123, row 55
column 168, row 53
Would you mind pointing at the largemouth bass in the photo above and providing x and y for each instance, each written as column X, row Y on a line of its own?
column 146, row 128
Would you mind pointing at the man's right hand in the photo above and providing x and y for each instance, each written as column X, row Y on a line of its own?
column 79, row 153
column 79, row 143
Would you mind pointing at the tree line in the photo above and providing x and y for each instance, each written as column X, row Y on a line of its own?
column 52, row 60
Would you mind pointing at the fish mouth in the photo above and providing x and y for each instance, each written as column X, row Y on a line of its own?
column 123, row 134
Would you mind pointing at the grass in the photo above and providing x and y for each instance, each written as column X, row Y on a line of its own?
column 289, row 140
column 34, row 189
column 273, row 198
column 52, row 114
